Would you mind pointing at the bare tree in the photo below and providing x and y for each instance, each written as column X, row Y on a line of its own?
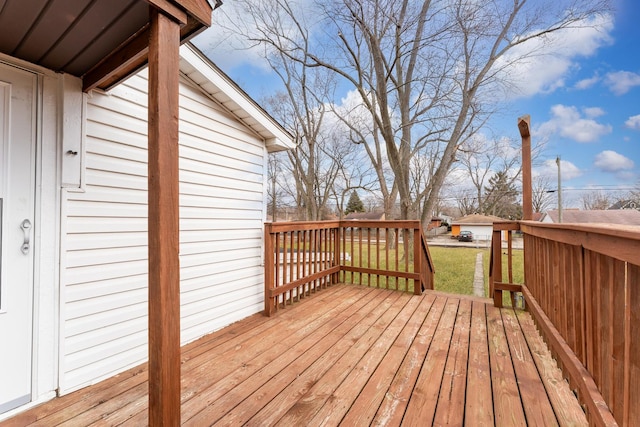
column 275, row 191
column 595, row 200
column 542, row 193
column 467, row 203
column 429, row 73
column 481, row 159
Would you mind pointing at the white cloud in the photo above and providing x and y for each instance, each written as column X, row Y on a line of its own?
column 587, row 83
column 593, row 112
column 568, row 122
column 554, row 57
column 633, row 122
column 549, row 169
column 610, row 161
column 621, row 82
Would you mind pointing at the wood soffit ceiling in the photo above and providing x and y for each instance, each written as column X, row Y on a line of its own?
column 102, row 41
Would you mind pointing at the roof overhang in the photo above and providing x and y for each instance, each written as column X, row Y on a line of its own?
column 103, row 42
column 200, row 70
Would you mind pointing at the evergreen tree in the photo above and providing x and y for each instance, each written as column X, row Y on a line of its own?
column 501, row 197
column 354, row 204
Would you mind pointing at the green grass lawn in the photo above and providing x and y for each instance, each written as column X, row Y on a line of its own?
column 455, row 267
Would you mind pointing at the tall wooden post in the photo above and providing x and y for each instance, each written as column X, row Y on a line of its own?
column 164, row 265
column 527, row 194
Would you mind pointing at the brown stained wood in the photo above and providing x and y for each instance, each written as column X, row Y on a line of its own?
column 607, row 328
column 367, row 402
column 538, row 411
column 610, row 240
column 82, row 401
column 632, row 350
column 422, row 404
column 339, row 400
column 511, row 287
column 563, row 292
column 270, row 401
column 270, row 274
column 392, row 408
column 524, row 124
column 378, row 256
column 572, row 301
column 170, row 9
column 211, row 401
column 163, row 195
column 199, row 9
column 397, row 274
column 396, row 236
column 310, row 401
column 618, row 336
column 386, row 254
column 553, row 279
column 453, row 390
column 507, row 405
column 566, row 408
column 589, row 312
column 266, row 365
column 353, row 256
column 479, row 402
column 599, row 413
column 417, row 258
column 496, row 268
column 271, row 341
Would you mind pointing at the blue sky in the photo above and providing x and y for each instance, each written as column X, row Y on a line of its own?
column 584, row 101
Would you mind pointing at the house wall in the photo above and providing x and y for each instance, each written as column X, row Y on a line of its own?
column 104, row 231
column 480, row 232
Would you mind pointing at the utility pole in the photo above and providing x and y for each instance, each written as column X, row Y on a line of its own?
column 559, row 190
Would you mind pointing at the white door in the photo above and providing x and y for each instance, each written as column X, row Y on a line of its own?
column 18, row 108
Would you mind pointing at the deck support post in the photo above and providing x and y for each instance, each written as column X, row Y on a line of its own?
column 163, row 223
column 524, row 124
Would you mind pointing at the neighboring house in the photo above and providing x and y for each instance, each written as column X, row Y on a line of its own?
column 619, row 216
column 82, row 256
column 365, row 216
column 626, row 204
column 434, row 223
column 480, row 225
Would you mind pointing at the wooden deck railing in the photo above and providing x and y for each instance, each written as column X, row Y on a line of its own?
column 302, row 257
column 582, row 286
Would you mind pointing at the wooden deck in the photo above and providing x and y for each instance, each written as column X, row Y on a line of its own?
column 353, row 356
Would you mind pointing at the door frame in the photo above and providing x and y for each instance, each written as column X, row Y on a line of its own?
column 46, row 236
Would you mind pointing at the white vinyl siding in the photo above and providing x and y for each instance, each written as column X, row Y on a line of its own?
column 104, row 260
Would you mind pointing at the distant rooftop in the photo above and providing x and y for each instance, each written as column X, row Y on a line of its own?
column 477, row 219
column 609, row 216
column 362, row 216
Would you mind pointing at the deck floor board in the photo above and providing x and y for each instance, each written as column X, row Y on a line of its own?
column 352, row 356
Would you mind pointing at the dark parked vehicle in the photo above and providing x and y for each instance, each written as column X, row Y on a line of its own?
column 465, row 236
